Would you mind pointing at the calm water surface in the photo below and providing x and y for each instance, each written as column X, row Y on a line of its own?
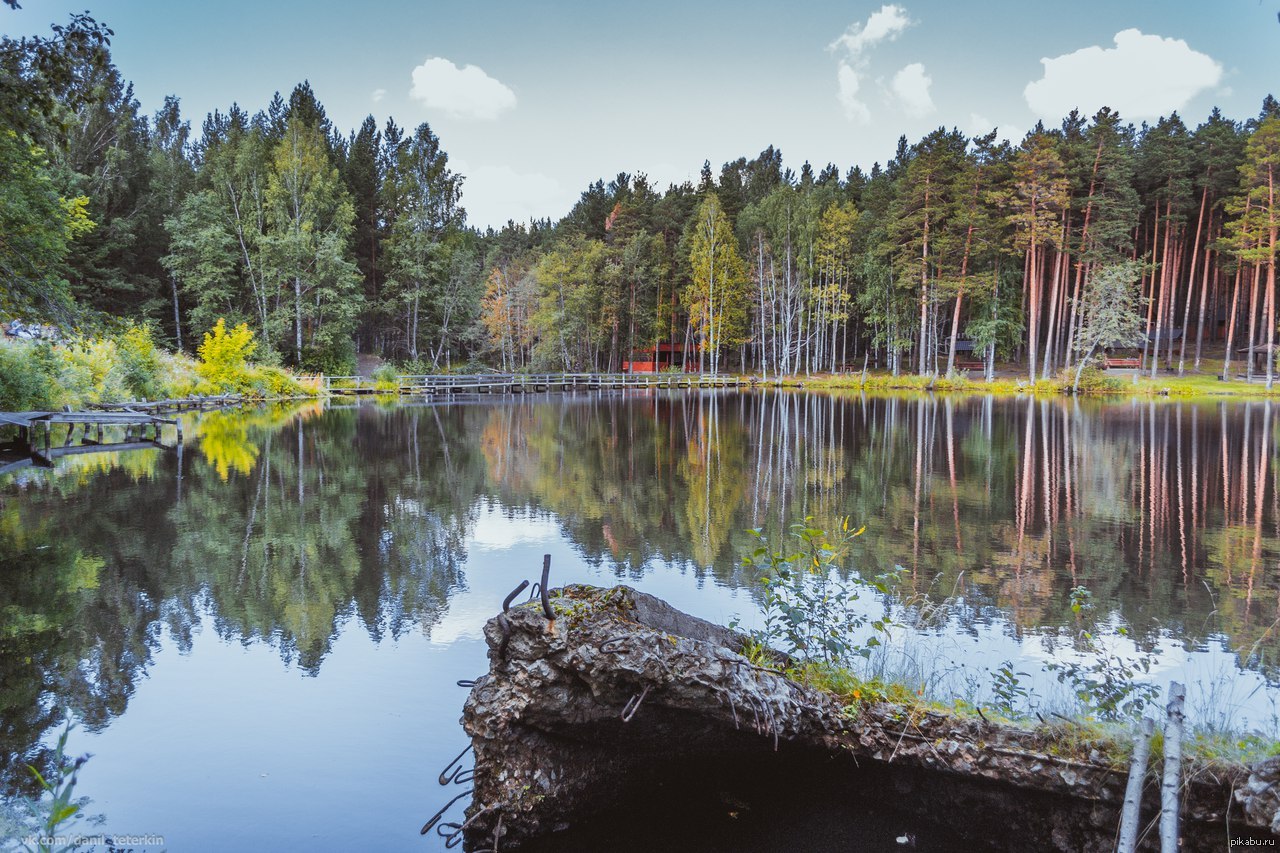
column 260, row 636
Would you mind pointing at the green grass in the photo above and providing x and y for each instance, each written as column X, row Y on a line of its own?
column 1101, row 384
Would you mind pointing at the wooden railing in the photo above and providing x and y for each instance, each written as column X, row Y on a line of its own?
column 515, row 383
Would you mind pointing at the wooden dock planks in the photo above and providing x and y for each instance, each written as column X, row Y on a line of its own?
column 35, row 434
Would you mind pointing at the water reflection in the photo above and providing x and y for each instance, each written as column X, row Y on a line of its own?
column 285, row 526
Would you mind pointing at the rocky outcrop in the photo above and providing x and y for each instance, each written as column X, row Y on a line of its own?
column 620, row 690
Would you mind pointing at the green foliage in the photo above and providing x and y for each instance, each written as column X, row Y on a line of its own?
column 1092, row 380
column 140, row 363
column 808, row 608
column 715, row 298
column 1105, row 681
column 39, row 825
column 1008, row 690
column 25, row 377
column 37, row 226
column 385, row 373
column 80, row 371
column 335, row 355
column 1110, row 312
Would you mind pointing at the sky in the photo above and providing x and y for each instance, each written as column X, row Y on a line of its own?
column 533, row 101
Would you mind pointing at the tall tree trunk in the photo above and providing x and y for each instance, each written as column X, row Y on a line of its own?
column 924, row 284
column 1253, row 318
column 297, row 315
column 1204, row 292
column 1195, row 256
column 1151, row 298
column 1271, row 277
column 177, row 317
column 1231, row 325
column 1164, row 287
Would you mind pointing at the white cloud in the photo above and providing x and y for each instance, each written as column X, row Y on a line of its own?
column 1143, row 76
column 980, row 125
column 466, row 92
column 847, row 79
column 379, row 94
column 494, row 194
column 911, row 88
column 885, row 24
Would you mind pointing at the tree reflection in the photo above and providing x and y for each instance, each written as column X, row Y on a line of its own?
column 282, row 525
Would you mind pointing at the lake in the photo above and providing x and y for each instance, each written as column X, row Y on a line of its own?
column 260, row 636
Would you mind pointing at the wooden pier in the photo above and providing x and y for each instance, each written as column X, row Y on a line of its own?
column 524, row 383
column 35, row 435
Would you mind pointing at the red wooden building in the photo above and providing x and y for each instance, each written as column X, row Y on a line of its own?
column 657, row 359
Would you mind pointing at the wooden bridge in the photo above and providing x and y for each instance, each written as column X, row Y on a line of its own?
column 522, row 383
column 35, row 435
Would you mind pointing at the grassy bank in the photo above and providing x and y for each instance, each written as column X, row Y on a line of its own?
column 83, row 370
column 1093, row 383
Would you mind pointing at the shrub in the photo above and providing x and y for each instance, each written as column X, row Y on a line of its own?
column 88, row 372
column 336, row 358
column 140, row 364
column 224, row 355
column 276, row 382
column 25, row 377
column 1093, row 380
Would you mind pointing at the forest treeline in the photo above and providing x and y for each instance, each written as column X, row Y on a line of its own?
column 960, row 250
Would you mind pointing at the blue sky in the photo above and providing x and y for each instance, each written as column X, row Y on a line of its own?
column 535, row 100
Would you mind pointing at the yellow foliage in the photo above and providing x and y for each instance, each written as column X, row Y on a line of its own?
column 224, row 355
column 78, row 222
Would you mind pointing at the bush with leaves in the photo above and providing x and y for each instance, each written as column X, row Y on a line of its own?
column 224, row 356
column 25, row 374
column 141, row 367
column 809, row 611
column 1104, row 682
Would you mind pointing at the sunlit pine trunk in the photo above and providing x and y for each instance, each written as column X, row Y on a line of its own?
column 924, row 283
column 1271, row 277
column 1231, row 324
column 1204, row 293
column 1253, row 318
column 1033, row 304
column 1051, row 323
column 1164, row 287
column 1195, row 257
column 1151, row 294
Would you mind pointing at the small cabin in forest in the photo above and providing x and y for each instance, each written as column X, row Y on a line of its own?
column 1123, row 355
column 968, row 357
column 656, row 359
column 1257, row 355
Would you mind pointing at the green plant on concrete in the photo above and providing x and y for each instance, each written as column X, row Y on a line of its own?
column 1007, row 689
column 1105, row 682
column 808, row 607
